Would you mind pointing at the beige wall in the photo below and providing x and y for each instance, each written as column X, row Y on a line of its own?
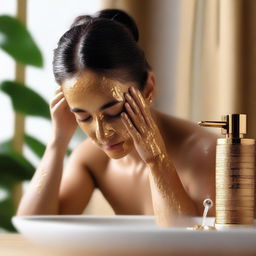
column 216, row 59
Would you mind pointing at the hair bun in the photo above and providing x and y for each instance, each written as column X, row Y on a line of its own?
column 81, row 20
column 121, row 17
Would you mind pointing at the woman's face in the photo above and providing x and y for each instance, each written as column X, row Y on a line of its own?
column 97, row 103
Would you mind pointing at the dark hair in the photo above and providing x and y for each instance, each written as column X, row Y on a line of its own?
column 105, row 43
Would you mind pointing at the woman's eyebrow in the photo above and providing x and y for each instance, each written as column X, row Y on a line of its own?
column 107, row 105
column 110, row 104
column 77, row 110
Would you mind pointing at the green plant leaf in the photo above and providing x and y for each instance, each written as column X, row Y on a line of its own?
column 6, row 180
column 35, row 145
column 25, row 100
column 16, row 40
column 6, row 146
column 14, row 168
column 7, row 210
column 69, row 151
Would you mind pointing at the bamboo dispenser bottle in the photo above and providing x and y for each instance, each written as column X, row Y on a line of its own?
column 235, row 170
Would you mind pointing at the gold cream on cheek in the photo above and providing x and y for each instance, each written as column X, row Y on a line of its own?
column 112, row 126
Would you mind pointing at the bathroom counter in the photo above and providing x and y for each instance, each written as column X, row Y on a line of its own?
column 13, row 244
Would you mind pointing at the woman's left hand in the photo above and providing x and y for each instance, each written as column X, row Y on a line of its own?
column 142, row 127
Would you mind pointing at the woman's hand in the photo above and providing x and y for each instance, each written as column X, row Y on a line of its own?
column 63, row 121
column 142, row 127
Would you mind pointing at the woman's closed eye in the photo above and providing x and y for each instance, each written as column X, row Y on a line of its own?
column 115, row 110
column 82, row 117
column 85, row 119
column 111, row 112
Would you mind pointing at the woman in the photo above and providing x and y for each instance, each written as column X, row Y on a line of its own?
column 143, row 161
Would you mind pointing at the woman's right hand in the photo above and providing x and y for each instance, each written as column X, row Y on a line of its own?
column 63, row 121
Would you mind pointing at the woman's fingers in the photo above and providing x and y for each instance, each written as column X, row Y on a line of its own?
column 135, row 113
column 58, row 90
column 130, row 127
column 132, row 103
column 56, row 99
column 61, row 103
column 138, row 98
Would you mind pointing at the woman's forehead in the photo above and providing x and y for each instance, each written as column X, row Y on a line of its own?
column 91, row 87
column 89, row 91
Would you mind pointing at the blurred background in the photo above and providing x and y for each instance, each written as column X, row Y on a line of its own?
column 203, row 53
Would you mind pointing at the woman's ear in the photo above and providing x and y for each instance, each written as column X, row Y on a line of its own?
column 149, row 89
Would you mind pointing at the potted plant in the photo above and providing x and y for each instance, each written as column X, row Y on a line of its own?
column 16, row 41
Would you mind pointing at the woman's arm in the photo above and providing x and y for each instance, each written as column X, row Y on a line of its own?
column 170, row 200
column 50, row 192
column 42, row 194
column 169, row 197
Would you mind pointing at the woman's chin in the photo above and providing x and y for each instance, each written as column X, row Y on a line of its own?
column 116, row 155
column 119, row 153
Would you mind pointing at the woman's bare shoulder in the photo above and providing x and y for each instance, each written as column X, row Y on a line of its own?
column 182, row 130
column 90, row 155
column 187, row 141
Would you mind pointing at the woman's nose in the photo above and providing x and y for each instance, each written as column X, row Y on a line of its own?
column 102, row 131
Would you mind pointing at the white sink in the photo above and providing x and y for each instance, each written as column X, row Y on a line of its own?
column 126, row 234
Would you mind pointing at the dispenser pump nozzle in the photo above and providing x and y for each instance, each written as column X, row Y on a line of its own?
column 233, row 125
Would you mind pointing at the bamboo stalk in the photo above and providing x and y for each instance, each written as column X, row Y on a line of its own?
column 19, row 123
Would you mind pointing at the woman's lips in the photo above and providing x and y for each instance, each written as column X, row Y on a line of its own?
column 113, row 146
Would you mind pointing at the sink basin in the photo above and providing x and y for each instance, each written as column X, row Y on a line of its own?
column 126, row 234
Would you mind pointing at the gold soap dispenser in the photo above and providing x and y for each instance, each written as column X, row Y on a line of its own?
column 235, row 170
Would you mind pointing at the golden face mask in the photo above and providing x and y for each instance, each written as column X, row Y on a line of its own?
column 97, row 103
